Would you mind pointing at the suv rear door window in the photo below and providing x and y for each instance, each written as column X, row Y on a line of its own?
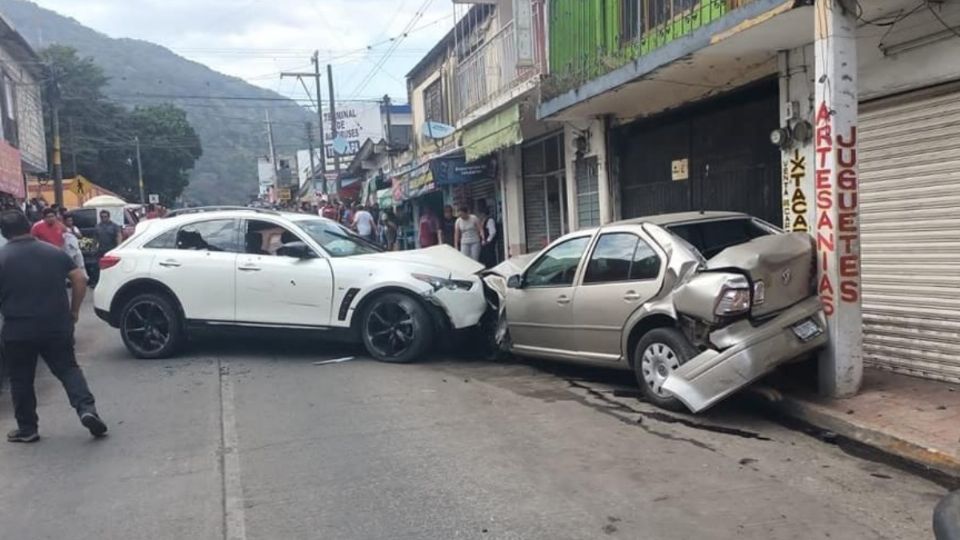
column 214, row 235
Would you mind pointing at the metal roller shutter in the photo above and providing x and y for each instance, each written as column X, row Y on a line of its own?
column 910, row 218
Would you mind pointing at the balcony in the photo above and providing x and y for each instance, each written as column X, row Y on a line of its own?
column 492, row 75
column 691, row 46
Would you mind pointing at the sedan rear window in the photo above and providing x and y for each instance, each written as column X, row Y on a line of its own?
column 712, row 237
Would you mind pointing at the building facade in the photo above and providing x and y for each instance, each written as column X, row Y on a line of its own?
column 23, row 150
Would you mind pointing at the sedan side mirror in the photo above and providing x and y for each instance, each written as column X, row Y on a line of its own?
column 515, row 282
column 297, row 250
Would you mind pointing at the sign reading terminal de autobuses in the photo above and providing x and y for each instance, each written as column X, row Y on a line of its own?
column 356, row 122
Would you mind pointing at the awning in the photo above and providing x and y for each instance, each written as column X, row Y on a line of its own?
column 502, row 130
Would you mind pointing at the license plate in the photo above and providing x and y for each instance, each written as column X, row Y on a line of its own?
column 807, row 330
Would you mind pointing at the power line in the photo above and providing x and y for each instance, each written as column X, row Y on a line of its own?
column 386, row 55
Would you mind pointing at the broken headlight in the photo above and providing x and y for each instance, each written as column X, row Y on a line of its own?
column 444, row 283
column 733, row 301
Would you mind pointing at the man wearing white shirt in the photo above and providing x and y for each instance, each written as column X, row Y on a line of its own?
column 364, row 224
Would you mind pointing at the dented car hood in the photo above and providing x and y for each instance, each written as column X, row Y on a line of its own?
column 442, row 257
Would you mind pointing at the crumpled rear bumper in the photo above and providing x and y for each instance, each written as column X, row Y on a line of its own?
column 751, row 353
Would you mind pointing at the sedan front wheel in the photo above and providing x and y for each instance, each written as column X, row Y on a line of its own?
column 396, row 328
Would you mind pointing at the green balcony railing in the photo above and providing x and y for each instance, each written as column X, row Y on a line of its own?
column 589, row 38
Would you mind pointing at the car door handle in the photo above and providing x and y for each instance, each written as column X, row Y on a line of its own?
column 249, row 268
column 563, row 299
column 169, row 263
column 631, row 296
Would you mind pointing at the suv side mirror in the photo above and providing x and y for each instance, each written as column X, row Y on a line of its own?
column 297, row 250
column 515, row 282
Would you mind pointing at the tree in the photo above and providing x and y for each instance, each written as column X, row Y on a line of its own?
column 169, row 148
column 98, row 135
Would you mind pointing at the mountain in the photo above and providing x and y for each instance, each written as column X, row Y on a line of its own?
column 232, row 132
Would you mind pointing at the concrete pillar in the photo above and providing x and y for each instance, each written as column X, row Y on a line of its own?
column 511, row 185
column 837, row 184
column 797, row 109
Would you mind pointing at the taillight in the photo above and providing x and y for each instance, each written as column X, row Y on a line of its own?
column 109, row 261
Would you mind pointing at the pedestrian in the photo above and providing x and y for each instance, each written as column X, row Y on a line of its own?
column 468, row 234
column 488, row 244
column 71, row 242
column 152, row 212
column 108, row 235
column 447, row 224
column 39, row 322
column 388, row 223
column 49, row 229
column 347, row 216
column 428, row 228
column 364, row 224
column 329, row 210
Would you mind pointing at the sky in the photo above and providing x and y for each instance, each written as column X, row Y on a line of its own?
column 257, row 39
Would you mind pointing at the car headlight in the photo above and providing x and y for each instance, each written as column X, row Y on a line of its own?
column 438, row 282
column 733, row 301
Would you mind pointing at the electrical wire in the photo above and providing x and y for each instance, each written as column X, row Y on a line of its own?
column 386, row 55
column 943, row 22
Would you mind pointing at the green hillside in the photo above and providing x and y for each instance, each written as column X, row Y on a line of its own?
column 232, row 131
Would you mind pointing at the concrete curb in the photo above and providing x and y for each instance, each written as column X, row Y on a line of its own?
column 914, row 452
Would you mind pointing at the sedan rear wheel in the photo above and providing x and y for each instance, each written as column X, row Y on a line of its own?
column 658, row 354
column 396, row 328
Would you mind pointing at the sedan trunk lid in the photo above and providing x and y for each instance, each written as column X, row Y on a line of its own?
column 784, row 262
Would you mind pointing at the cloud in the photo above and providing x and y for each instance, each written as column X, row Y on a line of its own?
column 256, row 39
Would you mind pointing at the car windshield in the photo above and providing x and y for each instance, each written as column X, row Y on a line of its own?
column 336, row 239
column 712, row 237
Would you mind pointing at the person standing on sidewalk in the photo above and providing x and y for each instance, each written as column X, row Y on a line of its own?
column 38, row 321
column 468, row 234
column 108, row 235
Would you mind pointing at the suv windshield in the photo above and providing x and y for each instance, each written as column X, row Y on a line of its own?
column 336, row 239
column 712, row 237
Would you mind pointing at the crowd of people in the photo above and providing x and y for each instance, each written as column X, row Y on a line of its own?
column 473, row 234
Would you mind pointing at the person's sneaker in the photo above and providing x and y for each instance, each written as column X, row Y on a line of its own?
column 93, row 422
column 21, row 436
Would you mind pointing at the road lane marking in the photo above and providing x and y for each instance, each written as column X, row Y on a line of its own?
column 234, row 522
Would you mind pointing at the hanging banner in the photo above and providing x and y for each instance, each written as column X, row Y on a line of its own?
column 11, row 173
column 455, row 170
column 420, row 181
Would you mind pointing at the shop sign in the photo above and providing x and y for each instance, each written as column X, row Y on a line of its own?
column 11, row 174
column 455, row 170
column 420, row 182
column 680, row 169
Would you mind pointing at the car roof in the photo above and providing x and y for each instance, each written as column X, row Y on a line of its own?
column 677, row 218
column 191, row 214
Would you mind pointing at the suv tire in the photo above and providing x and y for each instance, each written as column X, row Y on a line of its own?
column 151, row 326
column 396, row 328
column 659, row 352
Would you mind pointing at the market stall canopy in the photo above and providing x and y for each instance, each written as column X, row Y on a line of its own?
column 502, row 130
column 105, row 201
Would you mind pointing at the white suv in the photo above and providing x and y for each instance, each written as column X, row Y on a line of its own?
column 258, row 268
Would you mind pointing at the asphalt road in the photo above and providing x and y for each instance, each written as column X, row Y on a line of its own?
column 246, row 438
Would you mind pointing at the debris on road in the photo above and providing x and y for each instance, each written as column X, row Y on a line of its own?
column 335, row 361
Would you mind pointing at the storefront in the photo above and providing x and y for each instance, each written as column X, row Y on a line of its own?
column 714, row 155
column 910, row 244
column 544, row 191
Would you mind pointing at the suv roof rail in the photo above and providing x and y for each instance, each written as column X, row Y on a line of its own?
column 201, row 209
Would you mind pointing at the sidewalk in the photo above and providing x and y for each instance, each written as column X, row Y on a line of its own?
column 914, row 419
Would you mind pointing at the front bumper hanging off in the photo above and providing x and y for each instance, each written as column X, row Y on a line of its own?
column 747, row 354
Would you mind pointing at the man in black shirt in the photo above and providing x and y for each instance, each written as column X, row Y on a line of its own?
column 38, row 321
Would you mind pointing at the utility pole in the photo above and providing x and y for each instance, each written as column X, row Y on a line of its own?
column 57, row 164
column 333, row 128
column 313, row 166
column 837, row 185
column 143, row 198
column 73, row 147
column 389, row 137
column 273, row 152
column 315, row 60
